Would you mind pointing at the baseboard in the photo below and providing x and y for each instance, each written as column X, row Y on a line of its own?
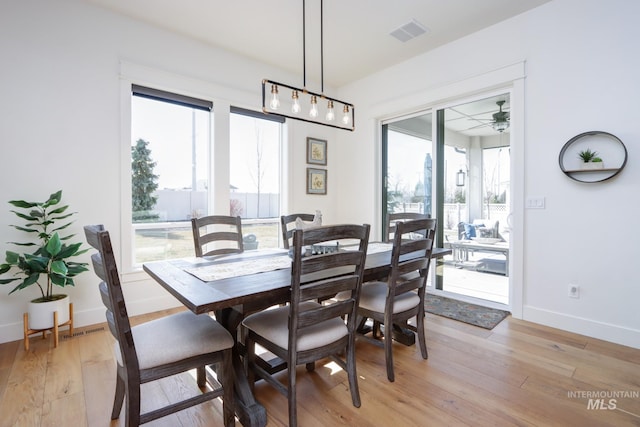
column 579, row 325
column 15, row 331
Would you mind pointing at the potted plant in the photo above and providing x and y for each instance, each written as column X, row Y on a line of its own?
column 590, row 159
column 49, row 264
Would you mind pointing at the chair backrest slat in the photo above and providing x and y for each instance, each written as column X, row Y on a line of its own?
column 312, row 317
column 332, row 260
column 98, row 268
column 328, row 287
column 225, row 230
column 104, row 294
column 111, row 323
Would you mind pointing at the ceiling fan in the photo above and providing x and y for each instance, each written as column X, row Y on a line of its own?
column 500, row 119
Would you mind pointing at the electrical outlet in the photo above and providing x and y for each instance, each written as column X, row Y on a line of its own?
column 574, row 291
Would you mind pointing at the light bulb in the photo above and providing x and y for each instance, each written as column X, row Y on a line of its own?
column 330, row 115
column 314, row 107
column 345, row 117
column 275, row 102
column 295, row 108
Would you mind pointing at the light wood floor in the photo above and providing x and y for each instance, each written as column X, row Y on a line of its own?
column 518, row 374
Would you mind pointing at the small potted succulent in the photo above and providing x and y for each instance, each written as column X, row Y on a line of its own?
column 49, row 264
column 590, row 159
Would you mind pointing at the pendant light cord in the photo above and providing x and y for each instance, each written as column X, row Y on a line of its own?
column 321, row 49
column 304, row 45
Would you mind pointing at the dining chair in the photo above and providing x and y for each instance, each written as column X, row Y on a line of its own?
column 288, row 225
column 401, row 297
column 217, row 235
column 159, row 348
column 393, row 218
column 306, row 331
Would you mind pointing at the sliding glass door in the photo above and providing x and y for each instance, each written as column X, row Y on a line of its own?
column 462, row 179
column 473, row 186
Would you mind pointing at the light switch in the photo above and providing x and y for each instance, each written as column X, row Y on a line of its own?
column 535, row 202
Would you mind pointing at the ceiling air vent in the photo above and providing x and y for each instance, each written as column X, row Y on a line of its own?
column 409, row 31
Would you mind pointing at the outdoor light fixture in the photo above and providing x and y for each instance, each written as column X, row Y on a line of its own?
column 303, row 104
column 460, row 178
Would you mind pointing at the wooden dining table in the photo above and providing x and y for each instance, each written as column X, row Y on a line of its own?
column 235, row 293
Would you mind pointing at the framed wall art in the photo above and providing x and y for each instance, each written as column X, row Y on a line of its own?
column 316, row 151
column 316, row 181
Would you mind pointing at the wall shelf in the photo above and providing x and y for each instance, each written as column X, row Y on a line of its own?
column 592, row 170
column 609, row 147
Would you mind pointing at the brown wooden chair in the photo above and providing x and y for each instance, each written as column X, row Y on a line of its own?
column 159, row 348
column 401, row 297
column 288, row 226
column 306, row 331
column 393, row 218
column 217, row 235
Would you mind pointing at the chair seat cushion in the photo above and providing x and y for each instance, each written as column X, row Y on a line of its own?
column 177, row 337
column 273, row 325
column 374, row 294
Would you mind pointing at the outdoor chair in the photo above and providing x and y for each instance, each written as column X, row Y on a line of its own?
column 483, row 228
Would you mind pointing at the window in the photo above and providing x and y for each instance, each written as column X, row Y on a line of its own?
column 255, row 176
column 177, row 169
column 170, row 138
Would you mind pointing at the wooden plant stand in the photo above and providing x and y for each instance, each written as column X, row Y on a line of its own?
column 28, row 332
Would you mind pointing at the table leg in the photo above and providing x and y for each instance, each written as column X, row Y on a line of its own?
column 249, row 411
column 439, row 273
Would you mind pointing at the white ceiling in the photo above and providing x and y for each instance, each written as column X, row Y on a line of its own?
column 356, row 32
column 475, row 118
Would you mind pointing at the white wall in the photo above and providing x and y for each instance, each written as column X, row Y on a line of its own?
column 60, row 129
column 581, row 74
column 60, row 125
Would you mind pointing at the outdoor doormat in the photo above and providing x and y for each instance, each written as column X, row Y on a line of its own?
column 472, row 314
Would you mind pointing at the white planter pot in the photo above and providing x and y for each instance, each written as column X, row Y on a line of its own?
column 41, row 313
column 592, row 165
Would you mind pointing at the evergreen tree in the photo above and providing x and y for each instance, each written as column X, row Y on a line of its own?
column 143, row 180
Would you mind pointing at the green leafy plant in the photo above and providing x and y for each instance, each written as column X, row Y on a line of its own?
column 596, row 160
column 52, row 254
column 588, row 155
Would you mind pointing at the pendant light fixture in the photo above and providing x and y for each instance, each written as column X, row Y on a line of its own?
column 303, row 104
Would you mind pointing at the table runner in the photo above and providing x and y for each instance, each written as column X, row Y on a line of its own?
column 210, row 272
